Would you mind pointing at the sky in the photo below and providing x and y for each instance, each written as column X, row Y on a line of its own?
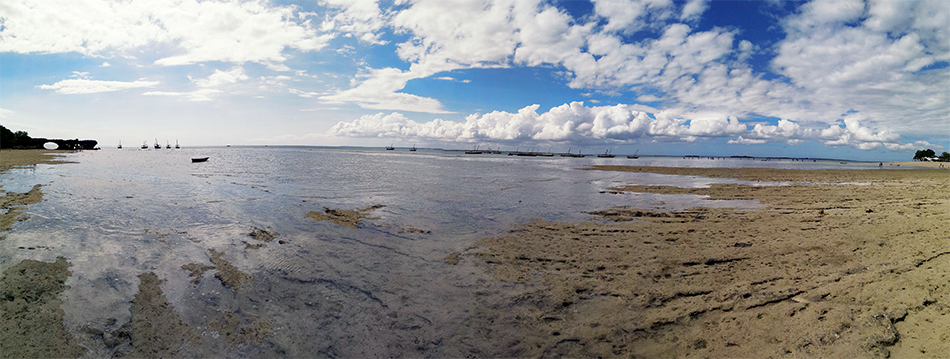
column 849, row 79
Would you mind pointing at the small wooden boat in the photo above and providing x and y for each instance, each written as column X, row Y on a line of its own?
column 176, row 145
column 413, row 149
column 606, row 154
column 634, row 155
column 390, row 148
column 144, row 145
column 120, row 145
column 157, row 146
column 199, row 159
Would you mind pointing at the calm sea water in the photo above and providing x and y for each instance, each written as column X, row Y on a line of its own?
column 327, row 290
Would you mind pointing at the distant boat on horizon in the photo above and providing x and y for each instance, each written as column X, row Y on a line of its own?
column 413, row 149
column 167, row 145
column 575, row 155
column 390, row 148
column 144, row 145
column 157, row 146
column 634, row 155
column 176, row 145
column 120, row 145
column 606, row 154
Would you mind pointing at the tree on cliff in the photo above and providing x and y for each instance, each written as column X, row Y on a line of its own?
column 921, row 154
column 10, row 139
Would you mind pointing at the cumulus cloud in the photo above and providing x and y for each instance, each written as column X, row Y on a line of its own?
column 580, row 124
column 837, row 57
column 235, row 31
column 360, row 18
column 86, row 86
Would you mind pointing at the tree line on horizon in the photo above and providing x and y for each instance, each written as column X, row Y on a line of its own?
column 930, row 155
column 10, row 139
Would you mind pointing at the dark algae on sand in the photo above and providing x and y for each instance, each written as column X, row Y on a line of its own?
column 31, row 321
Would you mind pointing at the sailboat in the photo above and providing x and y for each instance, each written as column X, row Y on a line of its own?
column 120, row 145
column 167, row 146
column 157, row 146
column 634, row 155
column 390, row 148
column 569, row 154
column 413, row 149
column 606, row 154
column 176, row 145
column 144, row 145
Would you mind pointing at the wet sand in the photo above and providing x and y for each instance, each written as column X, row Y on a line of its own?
column 825, row 270
column 23, row 158
column 14, row 204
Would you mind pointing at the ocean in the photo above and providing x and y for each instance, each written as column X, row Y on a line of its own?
column 319, row 289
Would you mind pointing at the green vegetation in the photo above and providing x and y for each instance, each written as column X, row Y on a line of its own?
column 925, row 155
column 10, row 139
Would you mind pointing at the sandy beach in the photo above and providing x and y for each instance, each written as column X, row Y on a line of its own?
column 824, row 270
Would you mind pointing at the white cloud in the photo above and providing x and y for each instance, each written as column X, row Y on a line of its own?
column 219, row 77
column 105, row 64
column 693, row 10
column 245, row 31
column 4, row 113
column 199, row 95
column 629, row 16
column 86, row 86
column 379, row 92
column 576, row 123
column 360, row 18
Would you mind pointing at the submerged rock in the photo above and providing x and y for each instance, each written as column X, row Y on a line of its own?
column 344, row 217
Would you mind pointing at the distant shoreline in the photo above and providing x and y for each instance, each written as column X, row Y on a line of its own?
column 919, row 164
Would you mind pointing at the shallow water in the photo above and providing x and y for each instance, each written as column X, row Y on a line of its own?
column 325, row 289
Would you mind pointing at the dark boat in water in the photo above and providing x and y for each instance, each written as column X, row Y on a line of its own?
column 157, row 146
column 634, row 155
column 199, row 159
column 606, row 155
column 176, row 145
column 413, row 149
column 390, row 148
column 569, row 154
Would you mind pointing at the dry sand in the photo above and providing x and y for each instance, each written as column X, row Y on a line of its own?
column 825, row 270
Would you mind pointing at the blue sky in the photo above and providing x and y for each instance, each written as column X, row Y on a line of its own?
column 852, row 79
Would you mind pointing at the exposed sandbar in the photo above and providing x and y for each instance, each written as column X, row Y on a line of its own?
column 21, row 158
column 825, row 270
